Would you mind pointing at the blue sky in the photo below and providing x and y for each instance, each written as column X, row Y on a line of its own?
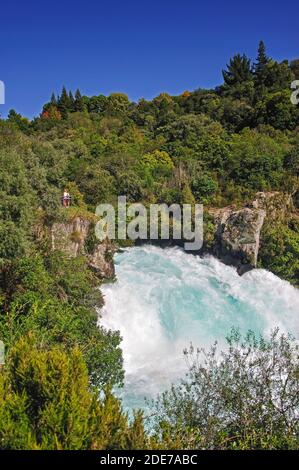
column 138, row 47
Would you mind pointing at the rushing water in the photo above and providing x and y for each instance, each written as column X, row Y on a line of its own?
column 165, row 298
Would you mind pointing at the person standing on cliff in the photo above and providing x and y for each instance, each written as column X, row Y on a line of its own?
column 66, row 198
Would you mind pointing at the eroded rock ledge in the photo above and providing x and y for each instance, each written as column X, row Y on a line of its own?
column 238, row 232
column 74, row 238
column 237, row 237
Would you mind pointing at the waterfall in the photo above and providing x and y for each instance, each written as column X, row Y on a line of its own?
column 164, row 299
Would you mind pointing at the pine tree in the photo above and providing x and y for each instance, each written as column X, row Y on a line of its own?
column 64, row 103
column 262, row 59
column 79, row 102
column 260, row 70
column 238, row 70
column 53, row 100
column 72, row 101
column 78, row 95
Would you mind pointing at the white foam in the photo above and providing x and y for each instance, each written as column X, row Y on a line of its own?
column 164, row 299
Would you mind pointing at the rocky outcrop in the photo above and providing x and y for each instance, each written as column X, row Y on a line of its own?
column 238, row 232
column 238, row 236
column 70, row 237
column 101, row 260
column 76, row 238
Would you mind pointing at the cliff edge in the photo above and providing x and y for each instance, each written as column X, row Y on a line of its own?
column 76, row 237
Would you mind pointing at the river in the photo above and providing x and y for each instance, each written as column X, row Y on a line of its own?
column 164, row 299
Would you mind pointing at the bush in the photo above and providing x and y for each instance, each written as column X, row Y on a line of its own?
column 245, row 397
column 279, row 250
column 46, row 403
column 56, row 299
column 204, row 186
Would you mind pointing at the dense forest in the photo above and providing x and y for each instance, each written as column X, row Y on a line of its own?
column 217, row 147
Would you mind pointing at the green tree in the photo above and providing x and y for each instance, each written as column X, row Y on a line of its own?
column 279, row 251
column 244, row 397
column 238, row 70
column 71, row 101
column 46, row 403
column 117, row 104
column 79, row 104
column 204, row 186
column 277, row 110
column 55, row 297
column 97, row 104
column 261, row 61
column 256, row 160
column 64, row 103
column 18, row 120
column 261, row 71
column 17, row 201
column 53, row 100
column 159, row 163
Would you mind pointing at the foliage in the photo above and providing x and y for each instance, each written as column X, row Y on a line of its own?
column 46, row 402
column 244, row 397
column 55, row 297
column 204, row 187
column 238, row 70
column 280, row 250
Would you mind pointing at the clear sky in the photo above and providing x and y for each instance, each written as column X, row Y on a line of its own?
column 139, row 47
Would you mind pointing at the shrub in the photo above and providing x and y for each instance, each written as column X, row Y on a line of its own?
column 245, row 397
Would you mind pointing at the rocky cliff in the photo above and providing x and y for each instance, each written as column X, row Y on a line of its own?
column 237, row 236
column 76, row 237
column 238, row 232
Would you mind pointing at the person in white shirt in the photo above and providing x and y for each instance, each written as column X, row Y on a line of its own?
column 66, row 198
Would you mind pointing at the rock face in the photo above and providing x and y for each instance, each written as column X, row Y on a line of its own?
column 101, row 260
column 238, row 236
column 72, row 238
column 236, row 239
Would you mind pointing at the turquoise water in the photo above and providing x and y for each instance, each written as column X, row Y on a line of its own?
column 165, row 298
